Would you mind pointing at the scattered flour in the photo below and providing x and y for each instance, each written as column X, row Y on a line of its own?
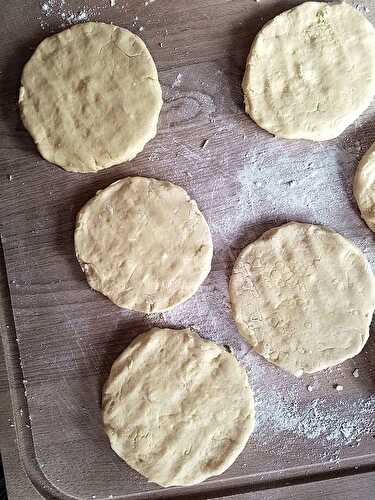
column 63, row 12
column 340, row 423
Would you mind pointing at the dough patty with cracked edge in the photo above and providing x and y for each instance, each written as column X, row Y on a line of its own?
column 311, row 71
column 144, row 244
column 177, row 408
column 364, row 187
column 303, row 296
column 90, row 97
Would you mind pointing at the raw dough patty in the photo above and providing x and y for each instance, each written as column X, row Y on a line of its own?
column 177, row 408
column 364, row 187
column 144, row 244
column 311, row 71
column 90, row 97
column 303, row 296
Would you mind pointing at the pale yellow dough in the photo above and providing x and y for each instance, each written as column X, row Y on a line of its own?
column 90, row 97
column 144, row 244
column 177, row 408
column 311, row 71
column 364, row 187
column 303, row 296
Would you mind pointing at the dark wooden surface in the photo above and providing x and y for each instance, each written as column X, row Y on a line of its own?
column 68, row 336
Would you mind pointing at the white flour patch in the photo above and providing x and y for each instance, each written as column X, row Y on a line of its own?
column 201, row 314
column 63, row 12
column 334, row 424
column 277, row 184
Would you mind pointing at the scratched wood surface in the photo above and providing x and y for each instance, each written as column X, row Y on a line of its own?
column 66, row 336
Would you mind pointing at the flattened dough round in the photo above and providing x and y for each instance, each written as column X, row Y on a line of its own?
column 90, row 97
column 364, row 187
column 144, row 244
column 177, row 408
column 311, row 71
column 303, row 296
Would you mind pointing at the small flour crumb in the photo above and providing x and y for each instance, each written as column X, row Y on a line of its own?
column 177, row 81
column 76, row 18
column 113, row 3
column 355, row 373
column 45, row 7
column 10, row 177
column 338, row 387
column 309, row 388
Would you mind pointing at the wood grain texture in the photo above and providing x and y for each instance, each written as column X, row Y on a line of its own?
column 68, row 335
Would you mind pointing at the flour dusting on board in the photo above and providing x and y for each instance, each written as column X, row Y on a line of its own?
column 61, row 10
column 345, row 423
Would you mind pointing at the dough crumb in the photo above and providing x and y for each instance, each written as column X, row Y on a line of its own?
column 309, row 388
column 204, row 143
column 10, row 177
column 338, row 387
column 355, row 373
column 161, row 45
column 113, row 3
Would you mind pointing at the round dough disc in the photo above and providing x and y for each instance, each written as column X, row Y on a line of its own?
column 177, row 408
column 364, row 187
column 303, row 296
column 90, row 97
column 144, row 244
column 311, row 71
